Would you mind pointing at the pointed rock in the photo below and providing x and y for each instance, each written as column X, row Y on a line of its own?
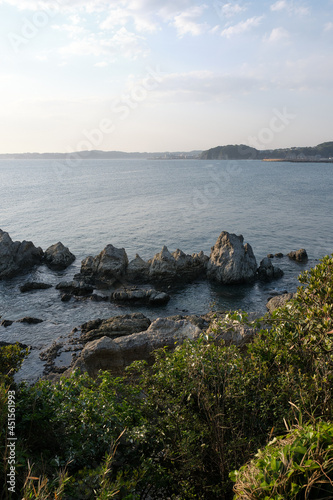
column 231, row 261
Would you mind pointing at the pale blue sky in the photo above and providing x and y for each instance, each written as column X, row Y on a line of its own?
column 150, row 75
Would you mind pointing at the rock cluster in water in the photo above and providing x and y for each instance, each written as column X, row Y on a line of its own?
column 230, row 262
column 18, row 257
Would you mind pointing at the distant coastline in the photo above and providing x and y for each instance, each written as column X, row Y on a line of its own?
column 322, row 153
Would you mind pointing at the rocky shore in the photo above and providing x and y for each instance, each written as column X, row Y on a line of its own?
column 115, row 342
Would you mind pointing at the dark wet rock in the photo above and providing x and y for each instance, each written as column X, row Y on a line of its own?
column 267, row 272
column 6, row 322
column 108, row 266
column 116, row 326
column 66, row 297
column 279, row 255
column 91, row 325
column 17, row 257
column 140, row 296
column 77, row 288
column 270, row 256
column 58, row 257
column 95, row 297
column 30, row 321
column 298, row 255
column 231, row 261
column 34, row 285
column 279, row 301
column 6, row 344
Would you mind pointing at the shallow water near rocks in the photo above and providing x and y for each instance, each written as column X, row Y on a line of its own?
column 143, row 205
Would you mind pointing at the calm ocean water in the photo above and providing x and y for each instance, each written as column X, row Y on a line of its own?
column 141, row 206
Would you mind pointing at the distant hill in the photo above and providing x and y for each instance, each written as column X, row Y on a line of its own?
column 102, row 155
column 242, row 152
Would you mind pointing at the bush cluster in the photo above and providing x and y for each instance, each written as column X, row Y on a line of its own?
column 190, row 426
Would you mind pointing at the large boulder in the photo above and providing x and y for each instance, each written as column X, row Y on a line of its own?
column 267, row 272
column 231, row 261
column 17, row 257
column 109, row 266
column 115, row 354
column 58, row 257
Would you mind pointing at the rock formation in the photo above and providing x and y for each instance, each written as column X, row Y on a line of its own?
column 114, row 354
column 58, row 257
column 231, row 261
column 109, row 266
column 17, row 257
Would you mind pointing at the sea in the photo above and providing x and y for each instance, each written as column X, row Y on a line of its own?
column 142, row 205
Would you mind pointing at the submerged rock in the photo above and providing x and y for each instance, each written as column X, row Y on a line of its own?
column 231, row 261
column 6, row 322
column 58, row 257
column 140, row 296
column 17, row 257
column 30, row 321
column 34, row 285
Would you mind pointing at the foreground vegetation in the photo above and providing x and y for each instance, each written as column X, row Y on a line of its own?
column 190, row 426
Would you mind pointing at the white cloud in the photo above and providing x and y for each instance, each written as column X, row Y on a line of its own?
column 122, row 16
column 242, row 27
column 185, row 22
column 278, row 34
column 228, row 9
column 293, row 8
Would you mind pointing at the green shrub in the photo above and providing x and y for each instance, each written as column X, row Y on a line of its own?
column 11, row 359
column 296, row 466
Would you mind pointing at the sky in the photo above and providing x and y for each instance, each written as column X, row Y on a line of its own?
column 153, row 76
